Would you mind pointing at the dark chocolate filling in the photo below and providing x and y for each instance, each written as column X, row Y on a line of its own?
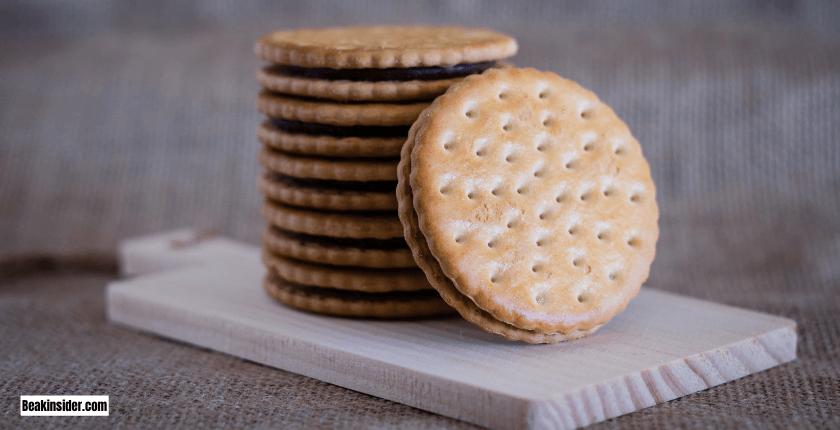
column 379, row 75
column 354, row 296
column 333, row 185
column 341, row 242
column 318, row 129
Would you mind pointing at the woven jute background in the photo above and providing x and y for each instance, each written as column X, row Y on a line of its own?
column 117, row 121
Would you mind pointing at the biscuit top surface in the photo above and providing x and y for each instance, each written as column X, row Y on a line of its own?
column 384, row 47
column 535, row 199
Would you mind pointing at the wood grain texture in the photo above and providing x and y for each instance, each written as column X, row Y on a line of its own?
column 661, row 347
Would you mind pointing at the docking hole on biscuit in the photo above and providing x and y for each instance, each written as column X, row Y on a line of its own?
column 498, row 190
column 586, row 195
column 472, row 195
column 608, row 192
column 572, row 164
column 634, row 242
column 536, row 267
column 461, row 238
column 540, row 172
column 544, row 94
column 577, row 262
column 540, row 298
column 545, row 215
column 471, row 113
column 511, row 157
column 523, row 189
column 573, row 230
column 612, row 276
column 635, row 197
column 494, row 242
column 586, row 113
column 589, row 146
column 542, row 146
column 496, row 278
column 481, row 151
column 562, row 197
column 543, row 241
column 508, row 126
column 548, row 121
column 583, row 296
column 503, row 95
column 513, row 223
column 445, row 189
column 449, row 145
column 619, row 150
column 603, row 235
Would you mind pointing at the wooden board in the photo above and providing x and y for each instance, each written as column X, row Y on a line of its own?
column 661, row 347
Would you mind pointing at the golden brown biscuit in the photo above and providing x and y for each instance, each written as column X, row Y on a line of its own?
column 375, row 225
column 438, row 279
column 327, row 194
column 337, row 113
column 329, row 146
column 384, row 47
column 377, row 253
column 400, row 304
column 337, row 169
column 534, row 199
column 345, row 278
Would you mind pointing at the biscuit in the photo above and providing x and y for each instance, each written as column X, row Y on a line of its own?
column 534, row 199
column 359, row 225
column 423, row 83
column 377, row 253
column 272, row 78
column 438, row 279
column 398, row 304
column 329, row 146
column 330, row 195
column 345, row 278
column 384, row 47
column 336, row 169
column 338, row 113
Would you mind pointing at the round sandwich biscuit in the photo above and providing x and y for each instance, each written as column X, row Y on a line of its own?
column 376, row 253
column 329, row 195
column 533, row 199
column 394, row 84
column 319, row 143
column 398, row 304
column 337, row 113
column 335, row 169
column 345, row 278
column 359, row 225
column 384, row 47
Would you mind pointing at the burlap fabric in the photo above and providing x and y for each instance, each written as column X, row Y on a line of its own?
column 116, row 122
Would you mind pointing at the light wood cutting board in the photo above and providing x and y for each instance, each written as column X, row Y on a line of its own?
column 661, row 347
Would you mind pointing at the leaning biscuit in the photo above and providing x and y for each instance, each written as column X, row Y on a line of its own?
column 534, row 199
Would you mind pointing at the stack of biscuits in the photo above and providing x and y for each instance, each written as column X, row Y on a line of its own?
column 340, row 103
